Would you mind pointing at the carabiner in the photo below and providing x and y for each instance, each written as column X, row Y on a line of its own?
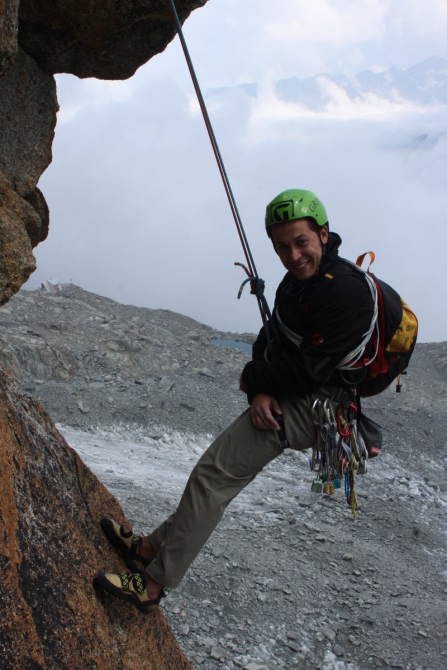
column 347, row 432
column 316, row 412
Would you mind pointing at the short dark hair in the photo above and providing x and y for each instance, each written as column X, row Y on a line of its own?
column 311, row 222
column 313, row 225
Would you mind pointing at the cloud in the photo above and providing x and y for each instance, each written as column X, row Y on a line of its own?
column 270, row 111
column 79, row 94
column 326, row 23
column 235, row 41
column 138, row 212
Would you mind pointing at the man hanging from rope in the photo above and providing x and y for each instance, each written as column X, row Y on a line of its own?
column 324, row 318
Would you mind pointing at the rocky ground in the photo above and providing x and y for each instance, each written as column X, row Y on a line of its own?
column 289, row 579
column 94, row 362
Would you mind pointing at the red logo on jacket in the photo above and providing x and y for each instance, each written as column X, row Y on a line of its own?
column 316, row 339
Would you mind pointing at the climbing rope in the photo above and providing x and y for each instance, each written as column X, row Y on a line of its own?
column 257, row 284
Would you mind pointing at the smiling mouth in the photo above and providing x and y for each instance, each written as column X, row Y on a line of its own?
column 301, row 265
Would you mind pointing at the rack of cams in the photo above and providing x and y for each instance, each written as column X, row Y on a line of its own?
column 340, row 452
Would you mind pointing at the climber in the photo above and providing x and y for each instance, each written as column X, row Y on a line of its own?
column 324, row 314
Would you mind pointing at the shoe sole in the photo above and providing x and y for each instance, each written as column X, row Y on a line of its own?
column 127, row 596
column 135, row 566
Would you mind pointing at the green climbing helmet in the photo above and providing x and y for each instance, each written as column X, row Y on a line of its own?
column 292, row 205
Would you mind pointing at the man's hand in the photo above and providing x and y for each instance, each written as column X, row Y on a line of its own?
column 262, row 409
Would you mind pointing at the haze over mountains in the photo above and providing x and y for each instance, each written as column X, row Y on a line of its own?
column 365, row 144
column 423, row 84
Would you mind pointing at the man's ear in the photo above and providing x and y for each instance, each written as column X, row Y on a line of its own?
column 324, row 234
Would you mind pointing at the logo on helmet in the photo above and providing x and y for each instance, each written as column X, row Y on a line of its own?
column 283, row 211
column 314, row 204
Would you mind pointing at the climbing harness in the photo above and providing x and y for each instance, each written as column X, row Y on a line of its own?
column 250, row 268
column 340, row 451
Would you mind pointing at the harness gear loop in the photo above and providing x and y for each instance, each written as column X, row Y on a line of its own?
column 252, row 272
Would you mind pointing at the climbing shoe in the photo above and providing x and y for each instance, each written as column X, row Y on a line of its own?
column 129, row 587
column 127, row 543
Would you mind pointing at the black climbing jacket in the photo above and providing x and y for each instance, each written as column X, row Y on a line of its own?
column 330, row 313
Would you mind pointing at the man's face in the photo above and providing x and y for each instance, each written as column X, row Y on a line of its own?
column 299, row 247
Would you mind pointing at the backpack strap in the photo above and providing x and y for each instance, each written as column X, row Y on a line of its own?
column 379, row 364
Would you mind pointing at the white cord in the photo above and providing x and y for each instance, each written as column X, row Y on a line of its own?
column 349, row 361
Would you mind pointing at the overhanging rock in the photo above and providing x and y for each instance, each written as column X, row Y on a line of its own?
column 38, row 38
column 107, row 39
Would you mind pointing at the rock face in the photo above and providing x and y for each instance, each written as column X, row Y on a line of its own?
column 16, row 258
column 107, row 39
column 28, row 107
column 51, row 546
column 8, row 32
column 27, row 120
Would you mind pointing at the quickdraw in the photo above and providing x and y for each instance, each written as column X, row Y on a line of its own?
column 340, row 451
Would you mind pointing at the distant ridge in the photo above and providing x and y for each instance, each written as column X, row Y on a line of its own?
column 424, row 84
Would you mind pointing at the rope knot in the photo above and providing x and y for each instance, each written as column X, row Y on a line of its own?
column 257, row 287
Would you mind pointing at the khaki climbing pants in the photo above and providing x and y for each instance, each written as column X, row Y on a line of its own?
column 231, row 462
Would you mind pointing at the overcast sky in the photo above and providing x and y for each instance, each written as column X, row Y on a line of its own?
column 138, row 212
